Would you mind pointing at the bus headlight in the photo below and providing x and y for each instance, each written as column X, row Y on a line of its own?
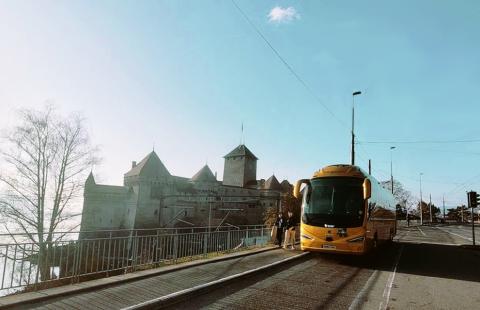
column 306, row 237
column 357, row 239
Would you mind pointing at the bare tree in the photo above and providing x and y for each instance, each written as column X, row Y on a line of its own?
column 402, row 196
column 47, row 157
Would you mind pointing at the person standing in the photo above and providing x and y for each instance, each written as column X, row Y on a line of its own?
column 289, row 232
column 279, row 223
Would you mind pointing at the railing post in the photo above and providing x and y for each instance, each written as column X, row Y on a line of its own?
column 157, row 248
column 134, row 251
column 228, row 240
column 74, row 260
column 79, row 261
column 175, row 247
column 5, row 266
column 109, row 249
column 205, row 244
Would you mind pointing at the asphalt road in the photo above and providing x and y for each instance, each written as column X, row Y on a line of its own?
column 425, row 268
column 442, row 234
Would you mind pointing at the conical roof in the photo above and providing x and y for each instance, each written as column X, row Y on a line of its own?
column 241, row 150
column 204, row 175
column 90, row 179
column 272, row 184
column 151, row 165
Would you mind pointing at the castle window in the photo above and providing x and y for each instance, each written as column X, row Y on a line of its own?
column 155, row 212
column 271, row 204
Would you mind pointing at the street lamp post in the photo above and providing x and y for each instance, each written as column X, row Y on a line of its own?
column 353, row 122
column 421, row 209
column 391, row 166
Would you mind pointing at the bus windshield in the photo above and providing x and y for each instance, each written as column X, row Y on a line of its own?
column 334, row 202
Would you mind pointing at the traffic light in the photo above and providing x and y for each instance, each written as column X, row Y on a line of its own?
column 473, row 199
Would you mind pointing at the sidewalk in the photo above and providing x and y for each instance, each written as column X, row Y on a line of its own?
column 126, row 290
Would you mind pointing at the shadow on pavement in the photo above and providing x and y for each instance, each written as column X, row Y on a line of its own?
column 431, row 260
column 206, row 299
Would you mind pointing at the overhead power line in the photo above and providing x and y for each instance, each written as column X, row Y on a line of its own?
column 419, row 142
column 465, row 184
column 287, row 65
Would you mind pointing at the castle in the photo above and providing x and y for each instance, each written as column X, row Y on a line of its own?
column 151, row 197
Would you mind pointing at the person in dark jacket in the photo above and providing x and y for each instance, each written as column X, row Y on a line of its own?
column 289, row 232
column 279, row 223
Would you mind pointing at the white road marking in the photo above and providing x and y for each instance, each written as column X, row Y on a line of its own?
column 469, row 229
column 388, row 288
column 421, row 231
column 451, row 233
column 361, row 296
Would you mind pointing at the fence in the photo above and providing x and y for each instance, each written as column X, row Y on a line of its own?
column 32, row 265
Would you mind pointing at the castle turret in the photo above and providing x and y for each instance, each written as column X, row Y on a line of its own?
column 204, row 175
column 240, row 167
column 90, row 180
column 272, row 184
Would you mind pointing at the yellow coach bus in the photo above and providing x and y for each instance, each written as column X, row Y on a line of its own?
column 344, row 210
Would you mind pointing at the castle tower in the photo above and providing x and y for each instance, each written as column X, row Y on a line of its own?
column 240, row 167
column 149, row 180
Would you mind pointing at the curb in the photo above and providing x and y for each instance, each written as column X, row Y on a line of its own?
column 19, row 300
column 173, row 298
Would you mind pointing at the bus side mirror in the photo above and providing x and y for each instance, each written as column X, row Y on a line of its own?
column 296, row 188
column 367, row 189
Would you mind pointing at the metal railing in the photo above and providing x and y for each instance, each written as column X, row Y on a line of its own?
column 32, row 265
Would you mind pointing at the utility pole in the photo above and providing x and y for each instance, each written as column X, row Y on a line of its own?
column 473, row 218
column 391, row 166
column 353, row 123
column 431, row 215
column 443, row 206
column 461, row 210
column 421, row 206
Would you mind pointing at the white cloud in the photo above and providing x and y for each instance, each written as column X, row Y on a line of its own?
column 283, row 15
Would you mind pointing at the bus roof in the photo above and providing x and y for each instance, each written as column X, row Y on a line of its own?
column 340, row 171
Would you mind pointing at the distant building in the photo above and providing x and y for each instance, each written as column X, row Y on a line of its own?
column 151, row 197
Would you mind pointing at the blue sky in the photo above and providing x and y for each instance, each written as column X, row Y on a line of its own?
column 184, row 75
